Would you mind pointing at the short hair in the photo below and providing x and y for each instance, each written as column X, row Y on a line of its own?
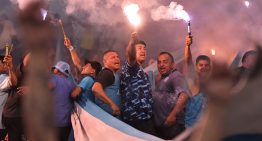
column 108, row 51
column 140, row 42
column 95, row 65
column 248, row 53
column 202, row 57
column 169, row 54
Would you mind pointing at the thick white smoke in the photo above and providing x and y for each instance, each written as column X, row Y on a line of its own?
column 174, row 11
column 104, row 12
column 101, row 12
column 226, row 26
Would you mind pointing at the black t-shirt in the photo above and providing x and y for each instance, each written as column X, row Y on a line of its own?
column 13, row 104
column 105, row 77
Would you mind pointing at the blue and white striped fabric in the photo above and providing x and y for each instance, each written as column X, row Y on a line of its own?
column 91, row 123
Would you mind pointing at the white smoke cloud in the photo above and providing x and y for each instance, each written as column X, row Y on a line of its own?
column 101, row 12
column 226, row 26
column 105, row 12
column 172, row 12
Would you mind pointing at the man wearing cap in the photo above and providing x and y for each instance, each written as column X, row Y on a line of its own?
column 106, row 86
column 61, row 89
column 135, row 88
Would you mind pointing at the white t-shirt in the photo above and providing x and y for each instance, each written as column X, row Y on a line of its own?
column 5, row 84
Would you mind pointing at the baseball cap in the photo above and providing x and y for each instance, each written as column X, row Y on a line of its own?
column 62, row 67
column 95, row 65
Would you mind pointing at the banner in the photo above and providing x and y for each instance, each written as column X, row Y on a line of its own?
column 91, row 123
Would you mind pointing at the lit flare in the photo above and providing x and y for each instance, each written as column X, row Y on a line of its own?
column 213, row 52
column 131, row 11
column 43, row 13
column 247, row 3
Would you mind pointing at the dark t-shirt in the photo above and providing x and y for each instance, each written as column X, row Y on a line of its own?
column 105, row 77
column 13, row 104
column 135, row 90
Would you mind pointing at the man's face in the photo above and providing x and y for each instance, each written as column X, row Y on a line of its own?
column 203, row 67
column 140, row 53
column 112, row 61
column 88, row 70
column 164, row 64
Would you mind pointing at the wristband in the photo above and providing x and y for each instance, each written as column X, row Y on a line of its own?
column 71, row 48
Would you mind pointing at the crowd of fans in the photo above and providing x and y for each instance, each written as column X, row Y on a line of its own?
column 125, row 91
column 175, row 103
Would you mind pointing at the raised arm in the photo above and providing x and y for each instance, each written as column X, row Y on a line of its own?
column 131, row 49
column 74, row 55
column 9, row 62
column 189, row 65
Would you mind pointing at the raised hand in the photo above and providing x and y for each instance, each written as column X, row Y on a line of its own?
column 189, row 40
column 8, row 60
column 134, row 35
column 67, row 42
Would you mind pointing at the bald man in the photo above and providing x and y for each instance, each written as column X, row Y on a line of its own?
column 106, row 86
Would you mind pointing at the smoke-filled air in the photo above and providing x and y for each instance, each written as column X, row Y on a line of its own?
column 227, row 27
